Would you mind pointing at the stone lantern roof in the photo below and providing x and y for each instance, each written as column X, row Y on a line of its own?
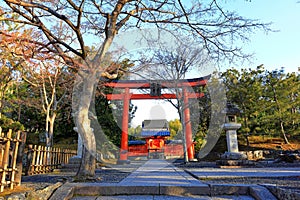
column 232, row 109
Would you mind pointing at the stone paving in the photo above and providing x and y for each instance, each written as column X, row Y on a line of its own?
column 244, row 172
column 159, row 179
column 160, row 173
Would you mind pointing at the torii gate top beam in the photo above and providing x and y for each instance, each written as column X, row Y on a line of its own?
column 144, row 84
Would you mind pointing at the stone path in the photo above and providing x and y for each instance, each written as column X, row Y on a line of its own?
column 158, row 179
column 245, row 172
column 160, row 173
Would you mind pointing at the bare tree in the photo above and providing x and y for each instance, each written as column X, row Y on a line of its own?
column 21, row 59
column 216, row 29
column 173, row 64
column 53, row 87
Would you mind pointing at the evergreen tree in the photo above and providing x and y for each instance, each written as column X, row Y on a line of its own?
column 281, row 100
column 269, row 100
column 244, row 89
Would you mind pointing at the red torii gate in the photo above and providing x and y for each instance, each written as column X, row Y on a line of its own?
column 146, row 84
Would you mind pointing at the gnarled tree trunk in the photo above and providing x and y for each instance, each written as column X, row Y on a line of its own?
column 83, row 96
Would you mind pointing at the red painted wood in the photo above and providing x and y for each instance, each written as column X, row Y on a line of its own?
column 147, row 96
column 170, row 150
column 124, row 139
column 188, row 126
column 143, row 84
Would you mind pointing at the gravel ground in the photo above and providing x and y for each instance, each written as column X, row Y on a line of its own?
column 109, row 174
column 41, row 181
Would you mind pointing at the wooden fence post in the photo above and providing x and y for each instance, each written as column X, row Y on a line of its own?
column 51, row 158
column 20, row 159
column 48, row 159
column 58, row 157
column 33, row 161
column 5, row 160
column 65, row 154
column 14, row 160
column 44, row 160
column 37, row 160
column 40, row 169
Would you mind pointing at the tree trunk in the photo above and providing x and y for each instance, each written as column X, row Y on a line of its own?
column 87, row 166
column 247, row 140
column 47, row 127
column 19, row 112
column 83, row 95
column 247, row 134
column 286, row 141
column 50, row 132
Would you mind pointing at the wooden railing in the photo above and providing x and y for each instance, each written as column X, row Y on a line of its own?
column 41, row 159
column 11, row 151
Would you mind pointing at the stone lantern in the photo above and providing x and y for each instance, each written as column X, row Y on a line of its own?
column 231, row 126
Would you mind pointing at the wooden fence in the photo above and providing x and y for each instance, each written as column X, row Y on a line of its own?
column 41, row 159
column 11, row 151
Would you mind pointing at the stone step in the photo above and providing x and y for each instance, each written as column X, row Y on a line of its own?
column 87, row 190
column 159, row 177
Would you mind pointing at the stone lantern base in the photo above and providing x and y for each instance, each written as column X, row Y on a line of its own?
column 233, row 156
column 232, row 159
column 233, row 163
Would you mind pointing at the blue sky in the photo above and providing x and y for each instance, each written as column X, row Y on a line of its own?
column 274, row 50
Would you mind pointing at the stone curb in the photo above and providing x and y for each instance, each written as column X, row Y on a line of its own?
column 282, row 193
column 69, row 190
column 64, row 192
column 260, row 193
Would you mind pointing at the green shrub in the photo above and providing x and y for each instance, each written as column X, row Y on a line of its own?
column 7, row 123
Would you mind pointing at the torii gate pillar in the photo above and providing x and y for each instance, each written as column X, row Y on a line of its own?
column 188, row 126
column 124, row 137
